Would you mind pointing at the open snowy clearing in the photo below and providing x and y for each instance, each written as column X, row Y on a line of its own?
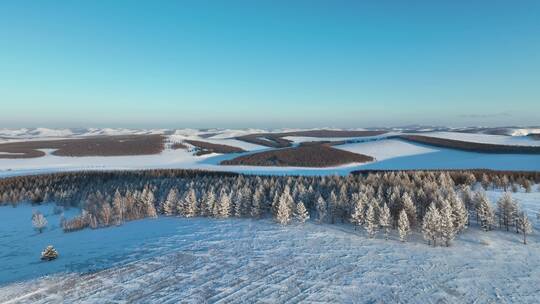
column 244, row 261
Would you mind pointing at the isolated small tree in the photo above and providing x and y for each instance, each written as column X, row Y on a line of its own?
column 525, row 226
column 403, row 226
column 431, row 226
column 301, row 214
column 39, row 221
column 384, row 220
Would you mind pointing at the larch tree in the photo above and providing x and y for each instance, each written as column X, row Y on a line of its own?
column 150, row 201
column 224, row 205
column 524, row 225
column 507, row 210
column 321, row 209
column 484, row 210
column 118, row 207
column 301, row 214
column 283, row 215
column 256, row 201
column 384, row 220
column 403, row 226
column 169, row 207
column 190, row 203
column 447, row 228
column 371, row 222
column 409, row 208
column 431, row 225
column 460, row 215
column 357, row 216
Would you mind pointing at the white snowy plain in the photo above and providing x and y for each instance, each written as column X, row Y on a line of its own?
column 171, row 260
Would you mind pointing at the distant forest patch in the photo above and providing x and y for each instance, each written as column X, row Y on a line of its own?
column 471, row 146
column 204, row 147
column 316, row 155
column 277, row 140
column 90, row 146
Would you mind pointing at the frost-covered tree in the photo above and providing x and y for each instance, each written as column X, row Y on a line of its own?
column 484, row 210
column 208, row 202
column 506, row 210
column 524, row 225
column 403, row 226
column 118, row 207
column 169, row 206
column 447, row 228
column 357, row 216
column 256, row 202
column 371, row 222
column 283, row 215
column 301, row 214
column 189, row 203
column 321, row 209
column 431, row 226
column 39, row 221
column 460, row 215
column 409, row 208
column 149, row 203
column 224, row 206
column 384, row 220
column 106, row 214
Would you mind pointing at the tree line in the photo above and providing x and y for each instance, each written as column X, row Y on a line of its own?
column 439, row 204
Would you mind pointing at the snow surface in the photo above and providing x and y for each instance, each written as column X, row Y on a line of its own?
column 199, row 260
column 389, row 154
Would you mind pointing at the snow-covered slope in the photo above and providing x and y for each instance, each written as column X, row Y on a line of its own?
column 169, row 260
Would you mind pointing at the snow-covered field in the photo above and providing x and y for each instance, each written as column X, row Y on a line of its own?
column 168, row 260
column 389, row 153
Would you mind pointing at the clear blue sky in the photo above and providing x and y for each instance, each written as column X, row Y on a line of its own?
column 269, row 63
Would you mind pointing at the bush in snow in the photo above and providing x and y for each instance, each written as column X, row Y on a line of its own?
column 49, row 253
